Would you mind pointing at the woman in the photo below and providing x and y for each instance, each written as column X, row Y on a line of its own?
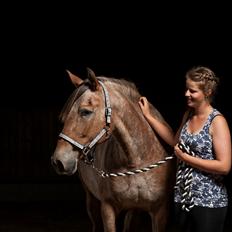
column 201, row 199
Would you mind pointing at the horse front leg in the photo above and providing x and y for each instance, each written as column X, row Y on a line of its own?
column 108, row 217
column 94, row 211
column 159, row 218
column 136, row 221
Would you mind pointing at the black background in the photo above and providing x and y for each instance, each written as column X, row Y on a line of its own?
column 149, row 45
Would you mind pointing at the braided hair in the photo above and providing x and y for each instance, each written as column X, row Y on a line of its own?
column 208, row 81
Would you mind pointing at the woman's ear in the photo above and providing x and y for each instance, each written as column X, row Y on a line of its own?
column 209, row 93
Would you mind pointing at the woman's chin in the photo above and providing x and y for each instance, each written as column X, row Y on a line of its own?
column 190, row 104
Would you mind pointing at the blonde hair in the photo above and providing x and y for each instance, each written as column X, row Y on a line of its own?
column 208, row 81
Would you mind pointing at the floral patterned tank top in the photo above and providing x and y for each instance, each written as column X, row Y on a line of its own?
column 208, row 190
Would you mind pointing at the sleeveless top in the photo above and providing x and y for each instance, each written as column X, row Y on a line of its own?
column 208, row 190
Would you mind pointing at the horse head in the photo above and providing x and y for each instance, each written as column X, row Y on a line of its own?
column 86, row 118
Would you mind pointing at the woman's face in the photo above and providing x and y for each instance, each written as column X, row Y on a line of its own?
column 195, row 96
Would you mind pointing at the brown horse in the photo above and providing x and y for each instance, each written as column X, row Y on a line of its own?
column 120, row 160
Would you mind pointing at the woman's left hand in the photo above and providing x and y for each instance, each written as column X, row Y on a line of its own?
column 179, row 153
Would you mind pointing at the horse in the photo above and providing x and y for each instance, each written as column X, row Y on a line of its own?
column 120, row 160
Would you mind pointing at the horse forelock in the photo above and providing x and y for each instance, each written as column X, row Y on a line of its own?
column 73, row 97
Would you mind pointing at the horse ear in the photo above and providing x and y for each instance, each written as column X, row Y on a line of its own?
column 74, row 79
column 92, row 79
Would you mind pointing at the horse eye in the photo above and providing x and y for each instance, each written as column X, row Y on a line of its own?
column 85, row 112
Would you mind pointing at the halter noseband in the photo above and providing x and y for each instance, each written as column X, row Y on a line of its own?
column 108, row 112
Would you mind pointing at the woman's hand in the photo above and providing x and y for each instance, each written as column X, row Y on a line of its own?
column 179, row 153
column 144, row 105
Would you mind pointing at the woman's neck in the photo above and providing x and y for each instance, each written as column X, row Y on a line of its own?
column 203, row 110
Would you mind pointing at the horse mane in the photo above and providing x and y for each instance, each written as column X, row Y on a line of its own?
column 125, row 87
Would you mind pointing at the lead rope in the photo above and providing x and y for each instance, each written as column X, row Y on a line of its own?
column 184, row 179
column 129, row 173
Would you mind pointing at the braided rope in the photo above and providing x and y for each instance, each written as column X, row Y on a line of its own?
column 184, row 179
column 129, row 173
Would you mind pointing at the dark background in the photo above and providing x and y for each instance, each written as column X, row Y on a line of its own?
column 151, row 46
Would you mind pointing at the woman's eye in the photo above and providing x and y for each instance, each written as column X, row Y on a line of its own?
column 190, row 90
column 85, row 112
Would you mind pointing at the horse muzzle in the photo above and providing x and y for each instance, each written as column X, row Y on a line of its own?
column 64, row 165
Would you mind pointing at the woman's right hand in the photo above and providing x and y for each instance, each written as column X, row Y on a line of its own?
column 144, row 105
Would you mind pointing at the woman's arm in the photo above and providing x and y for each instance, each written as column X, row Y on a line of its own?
column 222, row 148
column 162, row 128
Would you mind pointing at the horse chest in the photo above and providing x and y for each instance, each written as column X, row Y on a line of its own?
column 136, row 189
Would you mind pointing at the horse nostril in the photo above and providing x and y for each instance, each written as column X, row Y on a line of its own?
column 59, row 166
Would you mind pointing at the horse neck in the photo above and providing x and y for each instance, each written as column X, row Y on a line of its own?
column 133, row 142
column 137, row 140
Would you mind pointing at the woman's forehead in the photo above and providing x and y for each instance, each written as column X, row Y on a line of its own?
column 192, row 84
